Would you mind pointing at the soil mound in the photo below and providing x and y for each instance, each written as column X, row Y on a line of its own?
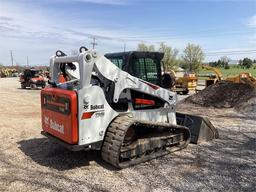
column 224, row 94
column 248, row 107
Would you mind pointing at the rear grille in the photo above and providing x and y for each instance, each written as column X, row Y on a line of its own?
column 56, row 103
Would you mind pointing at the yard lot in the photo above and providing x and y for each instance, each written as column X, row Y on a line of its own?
column 30, row 162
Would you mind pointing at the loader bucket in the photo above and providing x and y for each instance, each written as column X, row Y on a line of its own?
column 201, row 128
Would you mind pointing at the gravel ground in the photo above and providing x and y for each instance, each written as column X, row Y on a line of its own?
column 29, row 162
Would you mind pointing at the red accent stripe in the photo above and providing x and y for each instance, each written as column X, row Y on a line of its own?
column 144, row 101
column 87, row 115
column 151, row 85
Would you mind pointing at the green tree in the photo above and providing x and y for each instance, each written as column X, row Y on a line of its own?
column 219, row 63
column 224, row 62
column 247, row 63
column 240, row 63
column 144, row 47
column 170, row 60
column 193, row 57
column 215, row 63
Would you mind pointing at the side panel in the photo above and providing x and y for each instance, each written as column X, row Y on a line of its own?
column 94, row 115
column 59, row 114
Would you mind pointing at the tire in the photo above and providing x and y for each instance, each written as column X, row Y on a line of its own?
column 32, row 86
column 168, row 81
column 23, row 86
column 185, row 92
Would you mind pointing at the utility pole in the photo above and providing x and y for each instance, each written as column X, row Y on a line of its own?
column 124, row 47
column 11, row 57
column 27, row 61
column 93, row 42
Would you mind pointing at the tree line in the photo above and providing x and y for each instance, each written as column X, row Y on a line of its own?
column 245, row 63
column 191, row 58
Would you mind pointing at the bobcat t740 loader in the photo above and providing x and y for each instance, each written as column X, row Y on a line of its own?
column 94, row 105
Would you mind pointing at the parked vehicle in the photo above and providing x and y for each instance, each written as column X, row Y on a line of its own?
column 32, row 78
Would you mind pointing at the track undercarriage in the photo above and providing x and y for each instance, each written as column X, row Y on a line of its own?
column 129, row 142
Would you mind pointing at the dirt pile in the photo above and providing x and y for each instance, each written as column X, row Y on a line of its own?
column 249, row 107
column 224, row 94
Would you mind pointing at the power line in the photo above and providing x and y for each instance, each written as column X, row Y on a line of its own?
column 158, row 38
column 232, row 53
column 168, row 30
column 242, row 51
column 176, row 36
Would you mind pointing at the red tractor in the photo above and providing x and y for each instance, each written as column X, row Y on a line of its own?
column 32, row 78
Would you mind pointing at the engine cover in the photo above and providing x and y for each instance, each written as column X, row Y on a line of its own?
column 59, row 114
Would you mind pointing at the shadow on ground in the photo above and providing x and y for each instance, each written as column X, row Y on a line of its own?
column 226, row 163
column 29, row 89
column 50, row 154
column 236, row 117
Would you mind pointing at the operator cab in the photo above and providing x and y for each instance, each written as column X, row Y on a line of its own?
column 143, row 65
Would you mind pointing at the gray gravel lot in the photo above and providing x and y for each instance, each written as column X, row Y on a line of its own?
column 29, row 162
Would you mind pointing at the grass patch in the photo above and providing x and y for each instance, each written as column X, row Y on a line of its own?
column 233, row 71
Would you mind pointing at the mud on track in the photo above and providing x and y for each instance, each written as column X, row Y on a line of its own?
column 29, row 162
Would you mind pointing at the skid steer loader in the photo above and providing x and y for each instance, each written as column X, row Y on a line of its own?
column 101, row 107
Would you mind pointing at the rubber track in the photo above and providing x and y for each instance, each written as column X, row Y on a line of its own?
column 113, row 140
column 112, row 144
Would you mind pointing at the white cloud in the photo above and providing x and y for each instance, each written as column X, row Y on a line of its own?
column 37, row 32
column 252, row 21
column 110, row 2
column 102, row 2
column 30, row 29
column 252, row 39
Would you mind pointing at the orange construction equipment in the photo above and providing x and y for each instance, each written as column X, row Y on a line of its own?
column 212, row 79
column 243, row 77
column 186, row 83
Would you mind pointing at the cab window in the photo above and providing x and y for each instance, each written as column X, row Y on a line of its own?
column 146, row 69
column 118, row 62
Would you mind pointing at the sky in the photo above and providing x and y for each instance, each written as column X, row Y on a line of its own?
column 35, row 29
